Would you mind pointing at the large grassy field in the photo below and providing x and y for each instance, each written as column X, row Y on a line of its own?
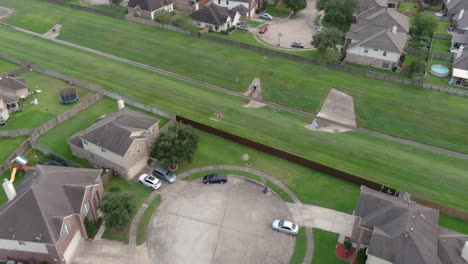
column 49, row 104
column 405, row 111
column 423, row 173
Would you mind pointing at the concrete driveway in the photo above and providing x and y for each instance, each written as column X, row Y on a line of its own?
column 219, row 223
column 300, row 28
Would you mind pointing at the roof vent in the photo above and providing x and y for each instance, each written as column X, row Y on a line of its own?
column 460, row 15
column 406, row 234
column 39, row 238
column 412, row 229
column 412, row 216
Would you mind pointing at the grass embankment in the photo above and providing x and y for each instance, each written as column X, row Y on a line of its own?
column 6, row 66
column 380, row 105
column 145, row 220
column 49, row 105
column 433, row 176
column 301, row 247
column 140, row 193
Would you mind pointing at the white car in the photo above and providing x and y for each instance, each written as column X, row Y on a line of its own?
column 265, row 16
column 149, row 181
column 285, row 227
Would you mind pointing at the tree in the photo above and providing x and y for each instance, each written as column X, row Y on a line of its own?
column 175, row 145
column 338, row 12
column 118, row 209
column 163, row 17
column 433, row 2
column 327, row 39
column 116, row 2
column 416, row 67
column 424, row 25
column 295, row 5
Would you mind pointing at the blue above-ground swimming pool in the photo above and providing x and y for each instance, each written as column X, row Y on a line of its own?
column 439, row 70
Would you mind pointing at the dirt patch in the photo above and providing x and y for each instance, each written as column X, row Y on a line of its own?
column 97, row 2
column 338, row 107
column 217, row 117
column 255, row 91
column 5, row 12
column 53, row 32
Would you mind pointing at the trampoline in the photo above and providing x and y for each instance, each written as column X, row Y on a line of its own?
column 68, row 96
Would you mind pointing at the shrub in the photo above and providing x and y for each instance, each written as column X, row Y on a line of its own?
column 348, row 245
column 91, row 229
column 118, row 209
column 114, row 189
column 417, row 66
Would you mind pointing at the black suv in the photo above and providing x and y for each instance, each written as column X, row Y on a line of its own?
column 164, row 174
column 215, row 178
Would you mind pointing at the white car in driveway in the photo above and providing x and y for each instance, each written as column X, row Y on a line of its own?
column 149, row 181
column 265, row 16
column 285, row 227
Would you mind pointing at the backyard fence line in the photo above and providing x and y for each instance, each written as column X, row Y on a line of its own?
column 414, row 52
column 339, row 67
column 23, row 68
column 16, row 132
column 442, row 36
column 320, row 167
column 447, row 58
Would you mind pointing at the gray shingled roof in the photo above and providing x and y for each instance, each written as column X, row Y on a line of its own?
column 386, row 17
column 241, row 9
column 461, row 62
column 380, row 38
column 149, row 5
column 462, row 22
column 459, row 38
column 366, row 4
column 404, row 233
column 454, row 6
column 47, row 195
column 114, row 132
column 212, row 14
column 9, row 86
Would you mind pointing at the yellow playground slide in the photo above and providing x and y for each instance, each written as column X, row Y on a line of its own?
column 13, row 173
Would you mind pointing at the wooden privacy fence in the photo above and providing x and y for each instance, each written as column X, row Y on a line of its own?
column 319, row 167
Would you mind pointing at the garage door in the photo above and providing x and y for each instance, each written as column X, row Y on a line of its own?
column 72, row 247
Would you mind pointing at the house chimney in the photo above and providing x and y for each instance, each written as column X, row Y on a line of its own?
column 460, row 15
column 460, row 51
column 120, row 104
column 9, row 189
column 464, row 254
column 394, row 29
column 196, row 6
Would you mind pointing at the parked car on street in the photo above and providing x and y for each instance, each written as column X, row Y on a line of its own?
column 263, row 30
column 243, row 27
column 164, row 174
column 297, row 44
column 149, row 181
column 215, row 178
column 265, row 16
column 285, row 227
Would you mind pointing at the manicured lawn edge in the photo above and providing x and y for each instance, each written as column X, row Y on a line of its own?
column 301, row 247
column 142, row 232
column 324, row 247
column 453, row 223
column 277, row 190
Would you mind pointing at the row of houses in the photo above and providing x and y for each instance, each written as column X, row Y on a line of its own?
column 218, row 15
column 378, row 36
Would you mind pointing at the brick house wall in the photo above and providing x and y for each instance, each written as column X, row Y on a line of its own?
column 30, row 256
column 93, row 195
column 141, row 13
column 76, row 225
column 363, row 60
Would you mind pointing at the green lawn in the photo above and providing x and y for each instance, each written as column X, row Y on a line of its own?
column 145, row 220
column 140, row 192
column 409, row 59
column 256, row 24
column 111, row 9
column 55, row 139
column 408, row 7
column 278, row 10
column 49, row 104
column 453, row 223
column 6, row 66
column 380, row 105
column 301, row 247
column 442, row 27
column 442, row 46
column 8, row 145
column 324, row 247
column 417, row 171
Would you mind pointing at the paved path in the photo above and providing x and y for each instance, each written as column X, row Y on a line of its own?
column 225, row 90
column 309, row 234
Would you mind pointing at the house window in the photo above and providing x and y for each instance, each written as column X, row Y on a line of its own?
column 22, row 243
column 385, row 65
column 375, row 49
column 138, row 150
column 219, row 2
column 227, row 2
column 86, row 208
column 103, row 150
column 199, row 25
column 366, row 50
column 216, row 28
column 66, row 229
column 85, row 142
column 151, row 130
column 92, row 156
column 385, row 53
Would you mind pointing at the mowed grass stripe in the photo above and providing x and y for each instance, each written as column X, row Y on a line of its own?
column 434, row 176
column 417, row 114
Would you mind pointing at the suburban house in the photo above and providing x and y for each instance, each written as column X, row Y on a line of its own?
column 460, row 67
column 251, row 5
column 378, row 37
column 148, row 8
column 215, row 17
column 366, row 4
column 385, row 17
column 398, row 230
column 120, row 141
column 453, row 7
column 460, row 22
column 11, row 91
column 375, row 46
column 44, row 220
